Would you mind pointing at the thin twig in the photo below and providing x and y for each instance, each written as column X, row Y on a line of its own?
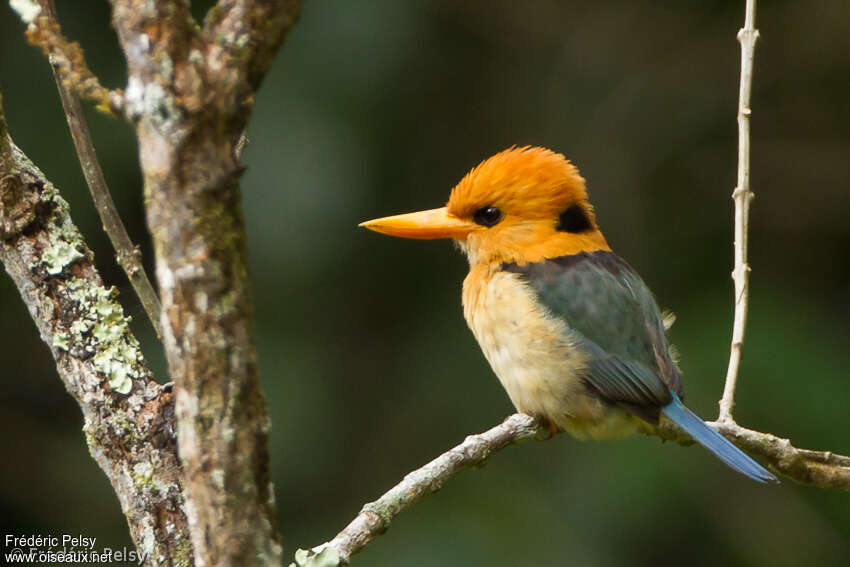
column 127, row 254
column 742, row 196
column 818, row 468
column 69, row 64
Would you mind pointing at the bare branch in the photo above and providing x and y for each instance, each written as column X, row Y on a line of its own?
column 376, row 516
column 818, row 468
column 244, row 36
column 128, row 417
column 69, row 63
column 241, row 38
column 742, row 196
column 127, row 254
column 823, row 469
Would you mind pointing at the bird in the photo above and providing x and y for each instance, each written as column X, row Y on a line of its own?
column 572, row 332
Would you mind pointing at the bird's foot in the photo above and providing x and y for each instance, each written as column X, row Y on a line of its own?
column 547, row 430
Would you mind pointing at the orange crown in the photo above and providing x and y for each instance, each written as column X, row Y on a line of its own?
column 531, row 182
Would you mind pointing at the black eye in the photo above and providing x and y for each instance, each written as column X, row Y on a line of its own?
column 487, row 216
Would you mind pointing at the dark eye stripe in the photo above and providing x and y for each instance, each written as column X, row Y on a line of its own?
column 487, row 216
column 574, row 220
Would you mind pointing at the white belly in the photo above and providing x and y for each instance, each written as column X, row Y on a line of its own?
column 534, row 357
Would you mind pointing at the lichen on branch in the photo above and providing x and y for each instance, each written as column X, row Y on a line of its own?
column 128, row 418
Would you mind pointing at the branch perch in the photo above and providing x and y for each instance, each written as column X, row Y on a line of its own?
column 824, row 469
column 376, row 516
column 742, row 196
column 817, row 468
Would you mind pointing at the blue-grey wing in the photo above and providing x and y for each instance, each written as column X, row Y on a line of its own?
column 616, row 318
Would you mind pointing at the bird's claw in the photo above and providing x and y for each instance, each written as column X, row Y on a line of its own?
column 547, row 429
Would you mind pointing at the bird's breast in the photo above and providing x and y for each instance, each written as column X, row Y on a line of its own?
column 538, row 361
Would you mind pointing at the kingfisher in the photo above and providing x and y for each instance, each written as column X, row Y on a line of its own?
column 570, row 329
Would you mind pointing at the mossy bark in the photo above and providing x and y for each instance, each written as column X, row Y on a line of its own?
column 128, row 417
column 190, row 93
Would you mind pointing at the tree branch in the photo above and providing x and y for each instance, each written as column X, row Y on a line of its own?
column 244, row 36
column 824, row 469
column 69, row 63
column 376, row 516
column 742, row 196
column 817, row 468
column 128, row 417
column 127, row 254
column 190, row 95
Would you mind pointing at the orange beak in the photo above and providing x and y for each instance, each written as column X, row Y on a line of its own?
column 436, row 223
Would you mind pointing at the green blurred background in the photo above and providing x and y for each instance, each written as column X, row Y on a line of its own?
column 374, row 108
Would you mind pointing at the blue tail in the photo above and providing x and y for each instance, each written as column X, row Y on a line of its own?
column 714, row 442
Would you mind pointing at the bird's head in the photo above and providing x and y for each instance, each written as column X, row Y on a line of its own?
column 520, row 205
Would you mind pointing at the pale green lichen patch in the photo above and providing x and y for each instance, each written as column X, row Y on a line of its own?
column 328, row 557
column 114, row 362
column 81, row 326
column 142, row 475
column 107, row 332
column 58, row 255
column 61, row 341
column 102, row 329
column 99, row 328
column 66, row 244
